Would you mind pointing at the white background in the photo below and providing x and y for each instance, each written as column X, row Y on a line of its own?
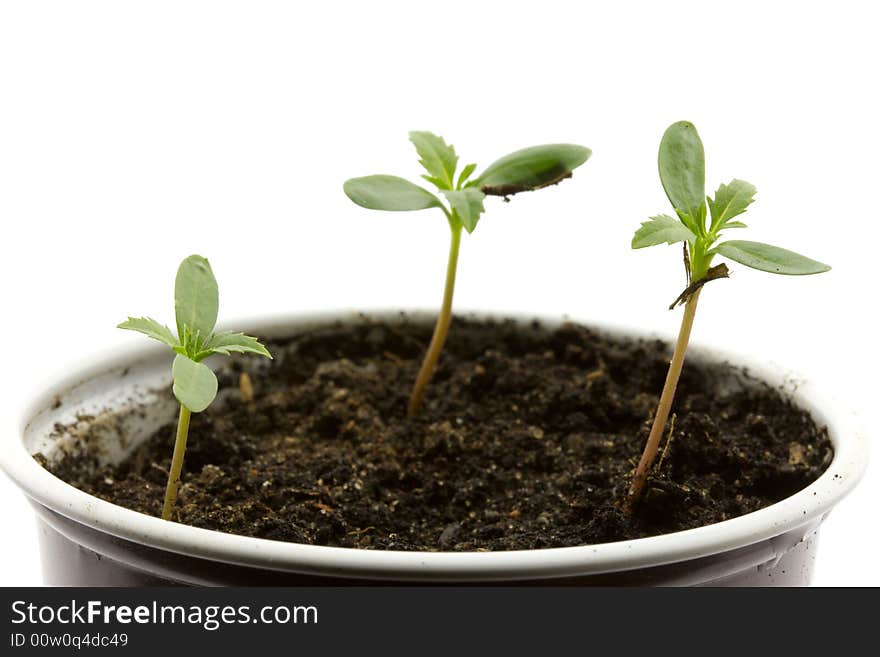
column 134, row 134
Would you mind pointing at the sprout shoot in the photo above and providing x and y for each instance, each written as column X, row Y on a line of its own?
column 525, row 170
column 682, row 173
column 196, row 302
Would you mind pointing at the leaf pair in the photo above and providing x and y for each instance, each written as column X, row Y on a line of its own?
column 525, row 170
column 196, row 303
column 681, row 163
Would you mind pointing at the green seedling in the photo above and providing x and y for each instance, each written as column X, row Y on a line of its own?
column 196, row 302
column 682, row 171
column 525, row 170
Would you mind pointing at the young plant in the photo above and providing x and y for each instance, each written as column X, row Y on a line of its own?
column 682, row 172
column 195, row 385
column 525, row 170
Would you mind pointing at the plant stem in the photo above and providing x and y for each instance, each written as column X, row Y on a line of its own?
column 176, row 462
column 664, row 406
column 441, row 330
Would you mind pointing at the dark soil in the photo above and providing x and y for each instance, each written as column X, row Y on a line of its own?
column 528, row 439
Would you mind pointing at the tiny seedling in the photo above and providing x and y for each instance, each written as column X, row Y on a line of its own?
column 196, row 302
column 682, row 172
column 524, row 170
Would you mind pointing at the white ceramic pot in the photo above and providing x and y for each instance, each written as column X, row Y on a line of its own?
column 87, row 541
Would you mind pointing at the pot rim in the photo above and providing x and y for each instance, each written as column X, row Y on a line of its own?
column 802, row 509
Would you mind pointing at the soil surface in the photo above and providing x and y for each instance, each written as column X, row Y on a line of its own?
column 527, row 439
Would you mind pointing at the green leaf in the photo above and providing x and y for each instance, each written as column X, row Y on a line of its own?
column 228, row 342
column 467, row 204
column 439, row 184
column 151, row 328
column 195, row 385
column 438, row 157
column 531, row 168
column 661, row 229
column 770, row 258
column 189, row 342
column 682, row 167
column 195, row 298
column 465, row 174
column 730, row 200
column 389, row 193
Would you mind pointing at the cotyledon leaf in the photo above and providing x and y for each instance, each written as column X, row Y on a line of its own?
column 195, row 385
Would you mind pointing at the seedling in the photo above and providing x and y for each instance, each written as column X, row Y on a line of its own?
column 682, row 172
column 525, row 170
column 195, row 385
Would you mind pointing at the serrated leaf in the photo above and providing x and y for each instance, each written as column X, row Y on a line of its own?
column 531, row 168
column 467, row 204
column 437, row 157
column 389, row 193
column 196, row 299
column 730, row 200
column 465, row 174
column 228, row 342
column 195, row 385
column 151, row 328
column 434, row 181
column 773, row 259
column 682, row 167
column 661, row 229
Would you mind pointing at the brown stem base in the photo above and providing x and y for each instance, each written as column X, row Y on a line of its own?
column 664, row 406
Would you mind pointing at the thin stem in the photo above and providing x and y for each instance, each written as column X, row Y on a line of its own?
column 664, row 406
column 441, row 330
column 176, row 462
